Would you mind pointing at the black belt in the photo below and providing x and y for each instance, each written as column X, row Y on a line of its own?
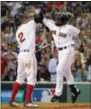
column 61, row 48
column 24, row 50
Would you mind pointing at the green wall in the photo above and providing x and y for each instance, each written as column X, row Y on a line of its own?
column 85, row 95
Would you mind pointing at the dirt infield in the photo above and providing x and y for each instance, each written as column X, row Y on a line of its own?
column 52, row 106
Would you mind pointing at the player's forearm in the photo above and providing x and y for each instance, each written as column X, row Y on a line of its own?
column 48, row 23
column 45, row 22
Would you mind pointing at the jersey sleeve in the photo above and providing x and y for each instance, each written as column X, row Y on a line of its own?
column 49, row 23
column 74, row 32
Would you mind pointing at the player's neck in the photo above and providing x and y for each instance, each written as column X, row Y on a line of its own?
column 24, row 22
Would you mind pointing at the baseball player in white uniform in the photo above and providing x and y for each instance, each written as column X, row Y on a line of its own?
column 27, row 65
column 63, row 35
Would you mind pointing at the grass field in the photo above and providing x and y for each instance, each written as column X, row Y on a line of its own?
column 52, row 106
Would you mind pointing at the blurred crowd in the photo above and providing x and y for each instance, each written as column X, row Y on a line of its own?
column 80, row 13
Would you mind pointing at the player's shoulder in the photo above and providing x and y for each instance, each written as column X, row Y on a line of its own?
column 73, row 30
column 31, row 22
column 23, row 26
column 71, row 27
column 20, row 28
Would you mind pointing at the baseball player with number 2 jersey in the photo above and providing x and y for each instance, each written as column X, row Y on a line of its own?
column 27, row 64
column 63, row 35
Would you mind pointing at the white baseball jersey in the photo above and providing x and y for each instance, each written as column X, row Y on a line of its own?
column 23, row 35
column 62, row 35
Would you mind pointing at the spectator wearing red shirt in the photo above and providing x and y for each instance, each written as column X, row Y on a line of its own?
column 59, row 5
column 3, row 67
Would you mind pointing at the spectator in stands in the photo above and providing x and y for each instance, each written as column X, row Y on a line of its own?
column 11, row 57
column 87, row 55
column 89, row 67
column 78, row 67
column 4, row 10
column 52, row 65
column 43, row 40
column 5, row 33
column 47, row 54
column 15, row 8
column 10, row 76
column 12, row 38
column 38, row 43
column 43, row 72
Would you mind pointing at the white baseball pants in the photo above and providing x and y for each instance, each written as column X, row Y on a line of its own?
column 27, row 68
column 65, row 58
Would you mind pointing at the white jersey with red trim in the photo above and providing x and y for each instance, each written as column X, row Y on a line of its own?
column 23, row 35
column 62, row 35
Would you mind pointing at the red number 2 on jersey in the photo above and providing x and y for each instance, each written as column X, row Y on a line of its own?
column 20, row 36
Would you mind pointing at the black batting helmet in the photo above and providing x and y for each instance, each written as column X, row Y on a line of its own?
column 19, row 18
column 62, row 17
